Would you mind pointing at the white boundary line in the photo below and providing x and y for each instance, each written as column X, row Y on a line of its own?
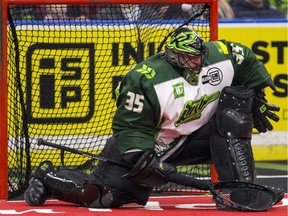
column 271, row 176
column 270, row 138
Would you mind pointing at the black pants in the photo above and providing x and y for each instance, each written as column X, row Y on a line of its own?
column 123, row 190
column 196, row 148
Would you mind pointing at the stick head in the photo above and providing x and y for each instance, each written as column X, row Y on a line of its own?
column 242, row 196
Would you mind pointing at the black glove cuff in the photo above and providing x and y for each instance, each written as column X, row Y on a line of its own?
column 148, row 171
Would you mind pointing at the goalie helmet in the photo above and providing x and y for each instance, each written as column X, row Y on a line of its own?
column 186, row 50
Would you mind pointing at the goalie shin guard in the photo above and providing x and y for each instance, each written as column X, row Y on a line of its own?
column 71, row 186
column 231, row 146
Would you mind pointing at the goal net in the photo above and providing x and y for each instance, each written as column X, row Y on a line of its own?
column 63, row 61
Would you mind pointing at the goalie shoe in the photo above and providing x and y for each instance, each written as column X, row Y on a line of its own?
column 37, row 193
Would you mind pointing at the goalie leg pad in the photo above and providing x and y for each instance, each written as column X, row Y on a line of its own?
column 72, row 186
column 233, row 159
column 231, row 147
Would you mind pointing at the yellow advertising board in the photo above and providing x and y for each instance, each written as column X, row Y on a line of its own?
column 67, row 74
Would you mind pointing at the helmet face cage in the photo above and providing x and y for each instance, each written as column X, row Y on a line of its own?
column 186, row 50
column 191, row 62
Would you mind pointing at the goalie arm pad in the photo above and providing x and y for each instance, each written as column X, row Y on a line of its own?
column 148, row 171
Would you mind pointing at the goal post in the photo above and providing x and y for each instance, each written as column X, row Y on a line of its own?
column 3, row 103
column 60, row 61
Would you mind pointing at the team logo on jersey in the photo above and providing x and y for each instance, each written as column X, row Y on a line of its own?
column 178, row 90
column 193, row 109
column 214, row 76
column 147, row 71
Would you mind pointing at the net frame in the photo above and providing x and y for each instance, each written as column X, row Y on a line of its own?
column 4, row 64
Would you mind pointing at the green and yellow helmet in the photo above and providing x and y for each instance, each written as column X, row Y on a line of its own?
column 186, row 50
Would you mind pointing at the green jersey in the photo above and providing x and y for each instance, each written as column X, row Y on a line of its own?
column 157, row 108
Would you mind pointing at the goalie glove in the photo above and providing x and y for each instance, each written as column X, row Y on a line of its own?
column 262, row 113
column 148, row 171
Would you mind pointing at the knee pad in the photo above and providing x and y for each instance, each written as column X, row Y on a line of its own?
column 231, row 147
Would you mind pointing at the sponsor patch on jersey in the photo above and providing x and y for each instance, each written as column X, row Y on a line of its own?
column 178, row 90
column 214, row 76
